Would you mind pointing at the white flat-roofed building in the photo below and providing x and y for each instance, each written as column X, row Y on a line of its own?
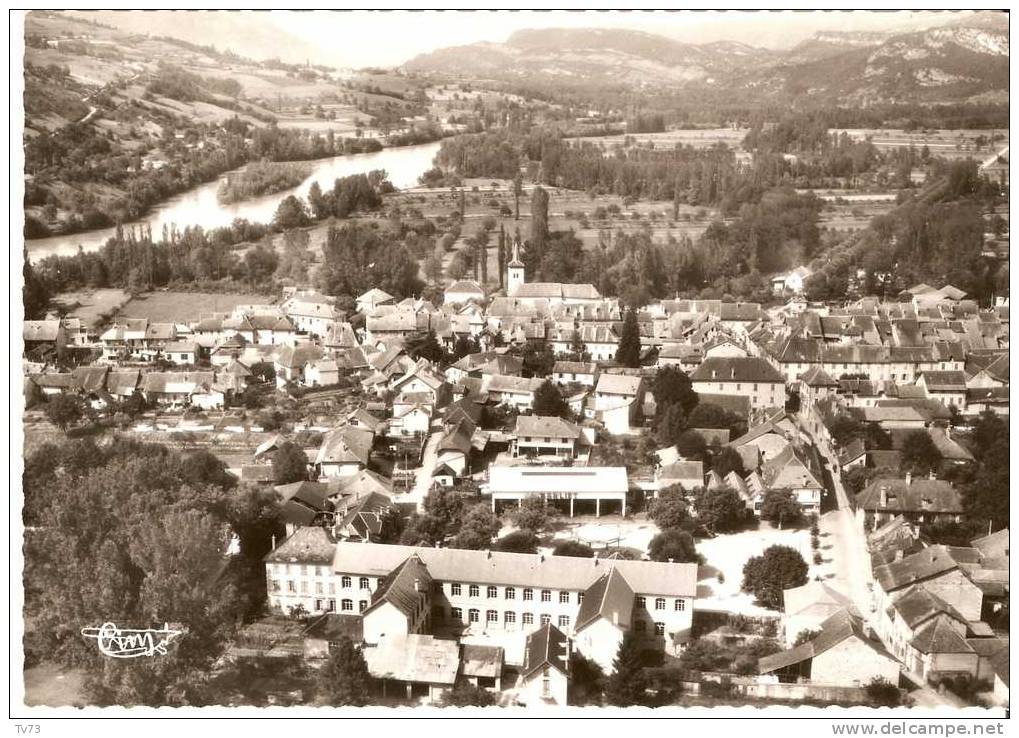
column 565, row 485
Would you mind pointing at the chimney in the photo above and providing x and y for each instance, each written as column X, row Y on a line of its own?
column 884, row 496
column 909, row 478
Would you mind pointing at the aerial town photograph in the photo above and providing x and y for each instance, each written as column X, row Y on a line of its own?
column 509, row 364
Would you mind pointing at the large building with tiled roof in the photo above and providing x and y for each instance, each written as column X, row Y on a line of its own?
column 411, row 589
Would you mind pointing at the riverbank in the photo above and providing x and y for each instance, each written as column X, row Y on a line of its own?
column 200, row 206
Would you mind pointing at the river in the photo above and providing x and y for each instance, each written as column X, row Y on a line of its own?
column 200, row 205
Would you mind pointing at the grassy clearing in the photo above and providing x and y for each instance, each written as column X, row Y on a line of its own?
column 182, row 306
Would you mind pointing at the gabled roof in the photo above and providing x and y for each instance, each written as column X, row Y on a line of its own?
column 423, row 659
column 619, row 384
column 815, row 598
column 925, row 564
column 310, row 545
column 516, row 569
column 738, row 404
column 346, row 445
column 546, row 646
column 938, row 636
column 994, row 545
column 815, row 376
column 836, row 629
column 375, row 295
column 481, row 661
column 611, row 598
column 550, row 426
column 40, row 330
column 788, row 471
column 916, row 495
column 90, row 378
column 403, row 587
column 736, row 369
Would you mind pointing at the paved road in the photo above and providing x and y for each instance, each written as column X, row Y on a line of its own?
column 849, row 545
column 423, row 475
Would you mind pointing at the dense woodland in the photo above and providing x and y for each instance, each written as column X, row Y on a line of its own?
column 135, row 533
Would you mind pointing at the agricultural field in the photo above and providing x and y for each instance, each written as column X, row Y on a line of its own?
column 951, row 144
column 91, row 306
column 181, row 306
column 698, row 138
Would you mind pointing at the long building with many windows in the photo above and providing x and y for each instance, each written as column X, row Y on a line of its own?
column 414, row 589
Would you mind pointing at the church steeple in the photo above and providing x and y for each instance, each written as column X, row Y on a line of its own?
column 514, row 269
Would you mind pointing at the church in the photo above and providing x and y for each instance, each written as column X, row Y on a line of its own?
column 547, row 293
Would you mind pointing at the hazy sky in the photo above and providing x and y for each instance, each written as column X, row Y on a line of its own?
column 381, row 38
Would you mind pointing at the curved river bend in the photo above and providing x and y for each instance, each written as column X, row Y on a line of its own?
column 200, row 206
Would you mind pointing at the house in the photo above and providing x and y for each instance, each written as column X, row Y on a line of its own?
column 178, row 389
column 414, row 666
column 889, row 418
column 843, row 654
column 686, row 356
column 326, row 631
column 790, row 282
column 423, row 381
column 124, row 339
column 463, row 291
column 918, row 500
column 322, row 373
column 291, row 361
column 516, row 392
column 765, row 440
column 410, row 419
column 606, row 614
column 689, row 475
column 361, row 418
column 723, row 346
column 401, row 604
column 263, row 329
column 182, row 353
column 545, row 676
column 816, row 385
column 344, row 451
column 542, row 436
column 809, row 606
column 788, row 472
column 579, row 486
column 928, row 635
column 371, row 299
column 122, row 384
column 482, row 665
column 937, row 571
column 43, row 334
column 484, row 362
column 575, row 372
column 454, row 450
column 618, row 401
column 949, row 387
column 994, row 399
column 750, row 376
column 313, row 313
column 303, row 503
column 993, row 546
